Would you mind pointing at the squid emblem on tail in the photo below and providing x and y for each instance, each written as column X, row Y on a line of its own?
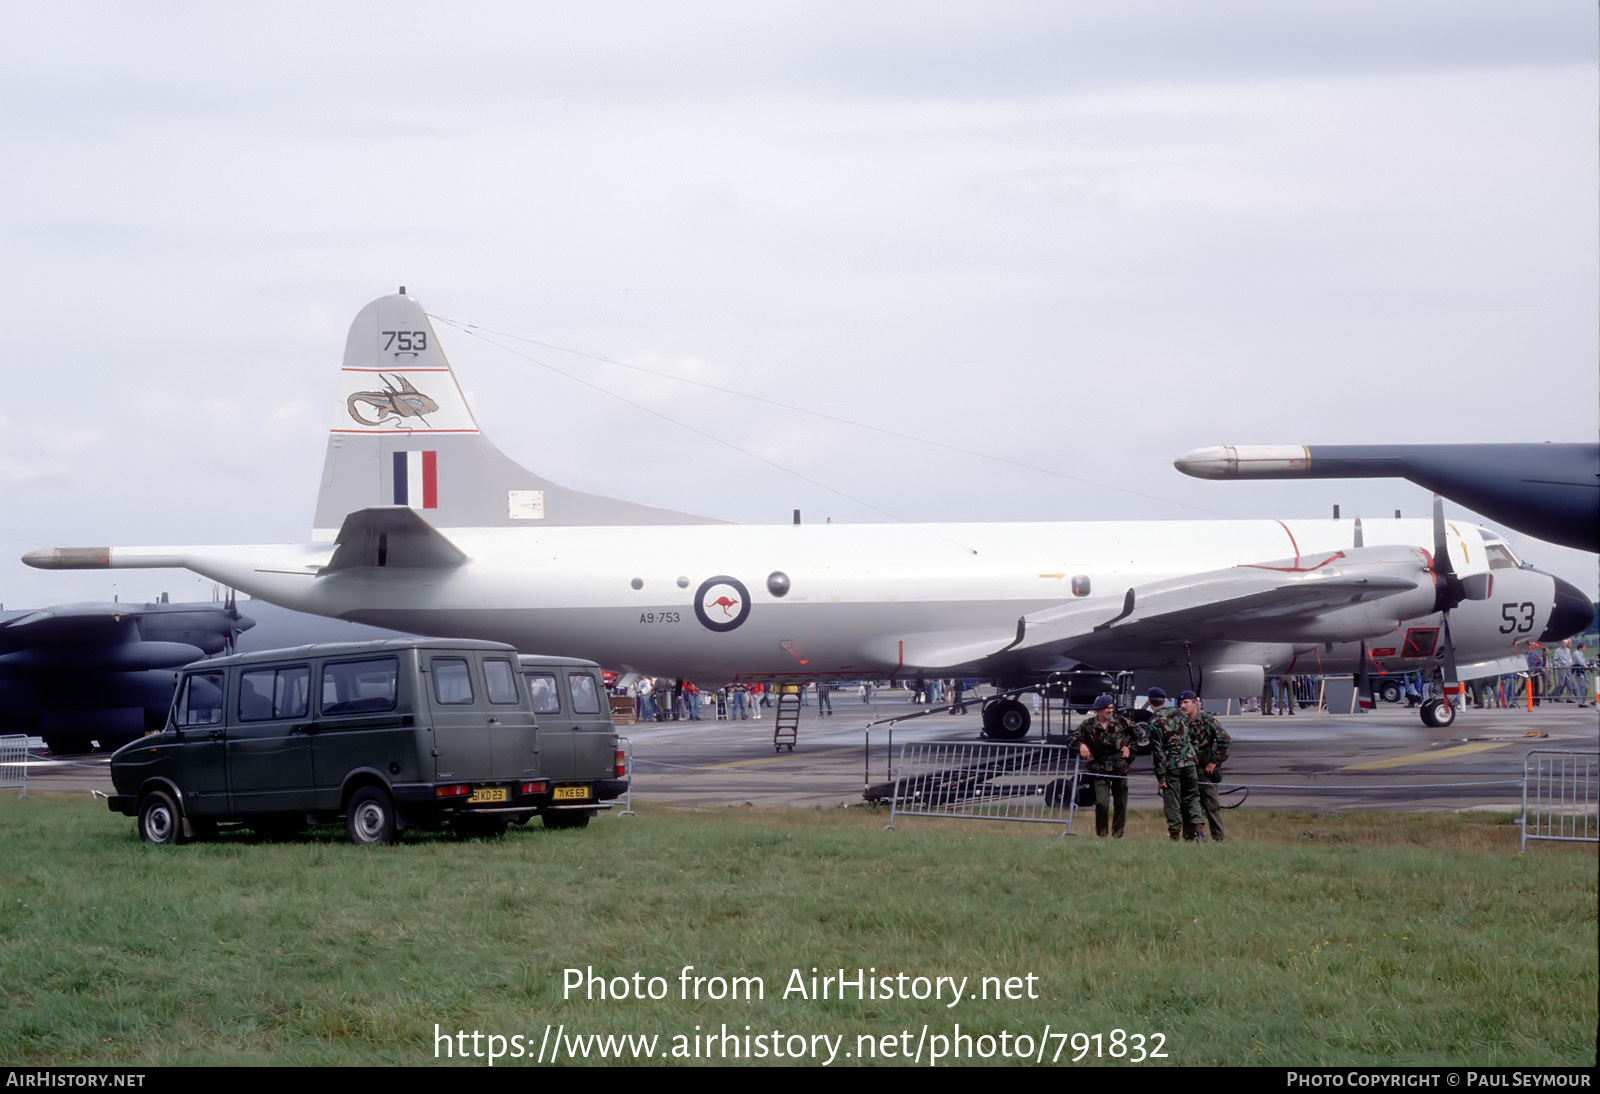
column 404, row 401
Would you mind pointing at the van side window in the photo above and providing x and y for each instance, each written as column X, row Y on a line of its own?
column 201, row 702
column 354, row 687
column 542, row 690
column 585, row 693
column 501, row 680
column 452, row 682
column 274, row 693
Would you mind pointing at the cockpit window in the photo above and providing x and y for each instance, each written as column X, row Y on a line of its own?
column 1500, row 556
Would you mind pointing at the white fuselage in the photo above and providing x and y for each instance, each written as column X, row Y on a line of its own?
column 869, row 600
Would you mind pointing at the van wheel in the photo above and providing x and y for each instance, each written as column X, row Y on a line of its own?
column 370, row 818
column 159, row 819
column 566, row 820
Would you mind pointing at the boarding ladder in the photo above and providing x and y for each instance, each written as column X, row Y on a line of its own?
column 786, row 726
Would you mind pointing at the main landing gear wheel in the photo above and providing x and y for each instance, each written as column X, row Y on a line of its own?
column 159, row 819
column 1006, row 720
column 1438, row 714
column 370, row 818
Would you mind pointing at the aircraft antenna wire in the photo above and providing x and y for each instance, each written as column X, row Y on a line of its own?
column 474, row 328
column 477, row 333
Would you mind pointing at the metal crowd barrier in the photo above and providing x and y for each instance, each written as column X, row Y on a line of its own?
column 1558, row 796
column 626, row 744
column 14, row 762
column 986, row 781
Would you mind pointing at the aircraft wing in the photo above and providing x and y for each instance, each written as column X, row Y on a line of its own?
column 100, row 624
column 388, row 537
column 116, row 638
column 1223, row 606
column 1341, row 596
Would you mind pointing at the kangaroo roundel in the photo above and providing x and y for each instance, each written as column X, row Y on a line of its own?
column 721, row 603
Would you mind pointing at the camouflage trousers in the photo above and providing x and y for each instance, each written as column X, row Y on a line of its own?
column 1181, row 800
column 1210, row 805
column 1110, row 797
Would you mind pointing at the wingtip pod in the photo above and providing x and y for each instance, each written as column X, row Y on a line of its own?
column 1250, row 461
column 69, row 558
column 101, row 558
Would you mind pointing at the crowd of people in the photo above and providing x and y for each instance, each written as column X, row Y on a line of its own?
column 663, row 700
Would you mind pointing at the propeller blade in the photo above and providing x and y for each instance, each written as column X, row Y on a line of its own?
column 1450, row 591
column 1360, row 542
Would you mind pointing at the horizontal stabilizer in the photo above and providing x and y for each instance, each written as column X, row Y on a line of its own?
column 388, row 538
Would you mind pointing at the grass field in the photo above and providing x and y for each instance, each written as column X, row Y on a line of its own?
column 1394, row 939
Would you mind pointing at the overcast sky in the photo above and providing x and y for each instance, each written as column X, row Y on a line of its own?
column 1083, row 237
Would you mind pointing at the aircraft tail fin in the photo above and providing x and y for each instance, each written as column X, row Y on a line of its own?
column 403, row 435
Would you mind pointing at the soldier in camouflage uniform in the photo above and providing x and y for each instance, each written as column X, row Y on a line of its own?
column 1105, row 741
column 1146, row 728
column 1211, row 743
column 1171, row 803
column 1176, row 767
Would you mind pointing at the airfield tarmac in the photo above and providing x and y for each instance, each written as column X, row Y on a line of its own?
column 1384, row 760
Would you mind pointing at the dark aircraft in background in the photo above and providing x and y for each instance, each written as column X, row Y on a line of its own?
column 1551, row 491
column 85, row 676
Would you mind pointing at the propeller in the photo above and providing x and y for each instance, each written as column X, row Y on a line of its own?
column 237, row 624
column 1451, row 590
column 1363, row 677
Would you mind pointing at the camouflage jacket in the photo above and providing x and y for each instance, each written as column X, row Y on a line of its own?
column 1211, row 743
column 1172, row 744
column 1106, row 744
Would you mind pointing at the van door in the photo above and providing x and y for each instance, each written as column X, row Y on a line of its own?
column 463, row 744
column 270, row 742
column 594, row 735
column 556, row 758
column 513, row 744
column 191, row 750
column 364, row 720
